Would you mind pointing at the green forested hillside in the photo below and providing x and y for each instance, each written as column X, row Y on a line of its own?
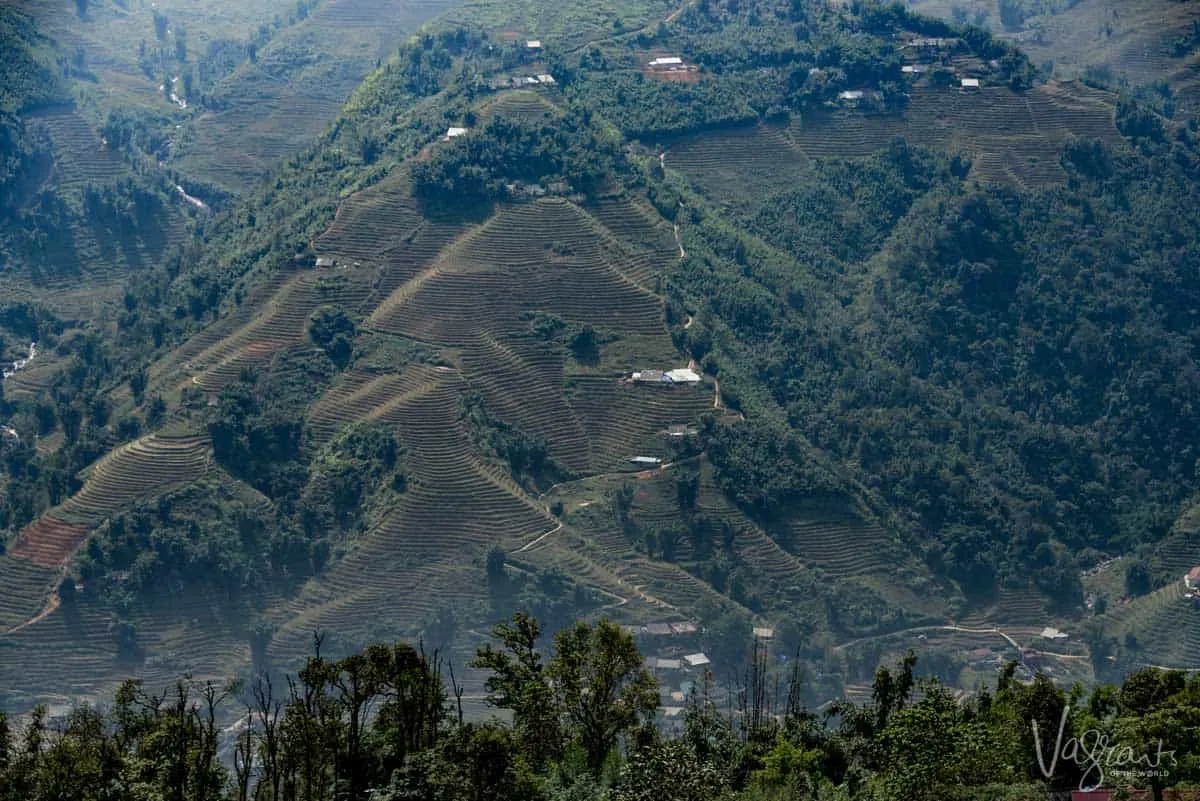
column 933, row 342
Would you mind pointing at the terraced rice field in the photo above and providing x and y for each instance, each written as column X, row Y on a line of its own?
column 544, row 257
column 621, row 421
column 1167, row 626
column 82, row 650
column 522, row 104
column 140, row 469
column 25, row 588
column 426, row 553
column 73, row 649
column 363, row 396
column 382, row 225
column 47, row 542
column 282, row 322
column 80, row 156
column 761, row 156
column 536, row 257
column 842, row 546
column 1180, row 551
column 1014, row 138
column 149, row 466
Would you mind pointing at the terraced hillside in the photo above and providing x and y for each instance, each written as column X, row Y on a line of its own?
column 1013, row 138
column 1162, row 628
column 474, row 296
column 80, row 155
column 275, row 105
column 136, row 471
column 85, row 256
column 1131, row 41
column 547, row 257
column 245, row 341
column 480, row 421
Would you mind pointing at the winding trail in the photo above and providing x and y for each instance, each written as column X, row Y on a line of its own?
column 51, row 607
column 541, row 537
column 674, row 15
column 962, row 629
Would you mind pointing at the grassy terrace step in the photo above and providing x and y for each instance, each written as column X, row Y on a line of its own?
column 46, row 541
column 134, row 471
column 80, row 155
column 282, row 322
column 521, row 104
column 24, row 587
column 369, row 396
column 844, row 547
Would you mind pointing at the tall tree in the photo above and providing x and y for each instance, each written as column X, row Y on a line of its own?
column 519, row 682
column 603, row 687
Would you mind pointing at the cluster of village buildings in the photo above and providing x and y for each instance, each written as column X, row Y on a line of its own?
column 675, row 664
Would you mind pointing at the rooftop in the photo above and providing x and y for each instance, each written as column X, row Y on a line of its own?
column 683, row 375
column 763, row 633
column 970, row 83
column 453, row 132
column 534, row 44
column 851, row 94
column 666, row 61
column 697, row 660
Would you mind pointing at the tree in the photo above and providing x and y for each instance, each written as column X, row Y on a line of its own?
column 603, row 687
column 1012, row 14
column 668, row 770
column 476, row 762
column 334, row 331
column 160, row 26
column 520, row 682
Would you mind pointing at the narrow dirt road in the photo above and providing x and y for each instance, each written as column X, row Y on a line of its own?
column 534, row 542
column 51, row 607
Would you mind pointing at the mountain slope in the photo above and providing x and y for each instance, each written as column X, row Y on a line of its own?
column 938, row 376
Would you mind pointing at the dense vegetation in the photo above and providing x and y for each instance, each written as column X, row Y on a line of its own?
column 986, row 384
column 504, row 155
column 382, row 723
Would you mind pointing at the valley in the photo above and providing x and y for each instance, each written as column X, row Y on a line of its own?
column 308, row 363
